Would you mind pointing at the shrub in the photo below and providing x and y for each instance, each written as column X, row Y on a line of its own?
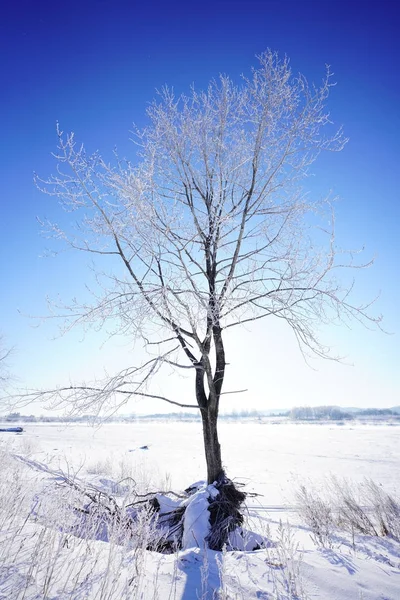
column 364, row 508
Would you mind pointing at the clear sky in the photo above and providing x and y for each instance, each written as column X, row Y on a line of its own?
column 94, row 67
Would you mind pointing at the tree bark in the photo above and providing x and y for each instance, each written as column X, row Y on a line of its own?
column 212, row 446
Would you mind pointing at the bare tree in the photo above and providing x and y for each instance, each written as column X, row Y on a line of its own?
column 208, row 228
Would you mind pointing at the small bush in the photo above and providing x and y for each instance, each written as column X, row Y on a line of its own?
column 317, row 514
column 367, row 509
column 364, row 508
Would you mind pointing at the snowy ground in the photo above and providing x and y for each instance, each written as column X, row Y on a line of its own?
column 40, row 559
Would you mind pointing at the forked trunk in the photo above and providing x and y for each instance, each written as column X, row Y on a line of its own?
column 209, row 403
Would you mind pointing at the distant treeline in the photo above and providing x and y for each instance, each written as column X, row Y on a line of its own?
column 319, row 413
column 335, row 413
column 298, row 413
column 379, row 411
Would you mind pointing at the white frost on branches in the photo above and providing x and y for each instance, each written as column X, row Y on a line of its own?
column 209, row 227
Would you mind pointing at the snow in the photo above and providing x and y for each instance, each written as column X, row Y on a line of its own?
column 196, row 524
column 41, row 558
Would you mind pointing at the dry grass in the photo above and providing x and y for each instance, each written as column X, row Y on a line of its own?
column 357, row 509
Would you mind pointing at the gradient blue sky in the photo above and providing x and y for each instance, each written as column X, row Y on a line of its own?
column 94, row 66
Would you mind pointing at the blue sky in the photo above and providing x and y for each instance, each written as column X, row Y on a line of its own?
column 94, row 67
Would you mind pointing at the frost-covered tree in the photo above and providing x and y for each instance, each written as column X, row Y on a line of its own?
column 207, row 228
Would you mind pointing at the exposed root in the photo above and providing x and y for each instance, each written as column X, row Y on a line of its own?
column 225, row 515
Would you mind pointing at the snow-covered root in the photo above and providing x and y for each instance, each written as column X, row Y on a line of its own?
column 208, row 517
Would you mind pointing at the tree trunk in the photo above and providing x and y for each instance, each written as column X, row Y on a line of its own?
column 212, row 446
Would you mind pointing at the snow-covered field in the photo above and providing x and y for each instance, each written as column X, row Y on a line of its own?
column 40, row 558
